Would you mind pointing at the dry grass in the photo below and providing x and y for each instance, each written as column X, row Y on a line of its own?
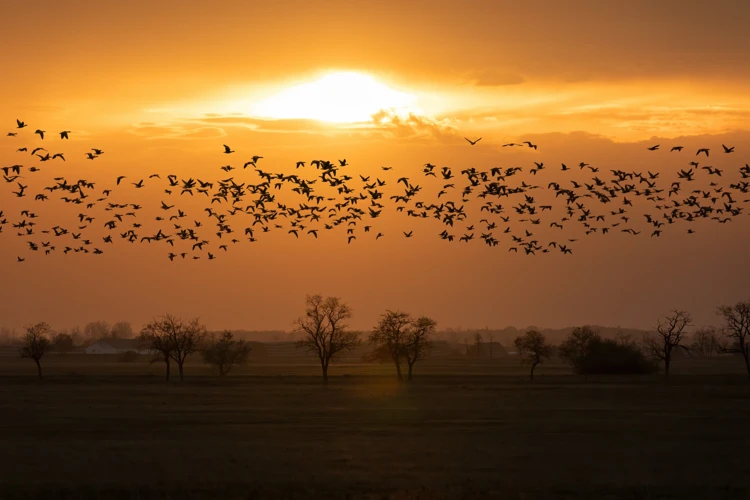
column 114, row 430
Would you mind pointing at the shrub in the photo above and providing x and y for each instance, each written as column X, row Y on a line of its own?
column 127, row 357
column 612, row 357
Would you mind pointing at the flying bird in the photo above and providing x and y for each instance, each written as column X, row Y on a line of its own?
column 473, row 142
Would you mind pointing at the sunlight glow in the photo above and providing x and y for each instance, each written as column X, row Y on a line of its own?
column 341, row 97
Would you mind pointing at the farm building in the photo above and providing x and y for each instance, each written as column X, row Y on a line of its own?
column 116, row 346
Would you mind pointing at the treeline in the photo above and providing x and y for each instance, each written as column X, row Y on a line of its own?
column 404, row 340
column 69, row 338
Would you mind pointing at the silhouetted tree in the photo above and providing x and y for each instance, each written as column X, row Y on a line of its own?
column 62, row 343
column 390, row 337
column 418, row 341
column 576, row 347
column 121, row 330
column 400, row 338
column 36, row 342
column 532, row 349
column 737, row 329
column 223, row 352
column 670, row 332
column 325, row 330
column 173, row 339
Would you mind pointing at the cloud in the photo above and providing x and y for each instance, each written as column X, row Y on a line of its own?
column 412, row 125
column 266, row 125
column 149, row 130
column 494, row 78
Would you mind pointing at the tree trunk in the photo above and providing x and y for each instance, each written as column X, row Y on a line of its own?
column 324, row 367
column 666, row 365
column 39, row 368
column 531, row 375
column 179, row 367
column 398, row 371
column 411, row 365
column 166, row 360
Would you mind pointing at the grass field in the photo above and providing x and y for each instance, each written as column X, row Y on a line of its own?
column 95, row 428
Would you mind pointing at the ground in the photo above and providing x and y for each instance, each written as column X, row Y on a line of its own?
column 95, row 428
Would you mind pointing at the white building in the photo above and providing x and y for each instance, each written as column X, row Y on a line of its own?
column 117, row 346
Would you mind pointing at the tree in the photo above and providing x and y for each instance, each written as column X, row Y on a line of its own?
column 390, row 337
column 490, row 338
column 224, row 352
column 705, row 342
column 96, row 330
column 325, row 330
column 36, row 341
column 576, row 347
column 62, row 343
column 173, row 339
column 121, row 330
column 532, row 347
column 670, row 332
column 418, row 341
column 737, row 329
column 398, row 337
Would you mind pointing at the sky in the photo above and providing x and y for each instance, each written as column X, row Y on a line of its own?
column 161, row 86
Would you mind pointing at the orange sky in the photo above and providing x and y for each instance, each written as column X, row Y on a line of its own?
column 160, row 86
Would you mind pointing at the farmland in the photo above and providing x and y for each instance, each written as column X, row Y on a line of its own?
column 96, row 428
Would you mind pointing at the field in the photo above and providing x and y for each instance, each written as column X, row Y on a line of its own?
column 95, row 428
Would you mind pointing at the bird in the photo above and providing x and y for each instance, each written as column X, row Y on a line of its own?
column 40, row 133
column 473, row 142
column 653, row 148
column 702, row 150
column 20, row 123
column 227, row 149
column 727, row 149
column 64, row 134
column 676, row 148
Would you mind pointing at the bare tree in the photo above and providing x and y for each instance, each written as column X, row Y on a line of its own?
column 576, row 347
column 173, row 339
column 62, row 343
column 670, row 332
column 96, row 330
column 224, row 352
column 390, row 337
column 325, row 330
column 737, row 329
column 36, row 342
column 121, row 330
column 533, row 349
column 705, row 342
column 418, row 341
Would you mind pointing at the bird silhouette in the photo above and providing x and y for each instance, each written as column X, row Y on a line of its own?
column 473, row 142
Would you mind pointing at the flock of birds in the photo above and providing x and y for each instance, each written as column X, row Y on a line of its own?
column 516, row 207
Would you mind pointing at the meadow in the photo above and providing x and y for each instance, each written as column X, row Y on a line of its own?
column 96, row 428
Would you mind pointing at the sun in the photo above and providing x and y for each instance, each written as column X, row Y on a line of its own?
column 341, row 97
